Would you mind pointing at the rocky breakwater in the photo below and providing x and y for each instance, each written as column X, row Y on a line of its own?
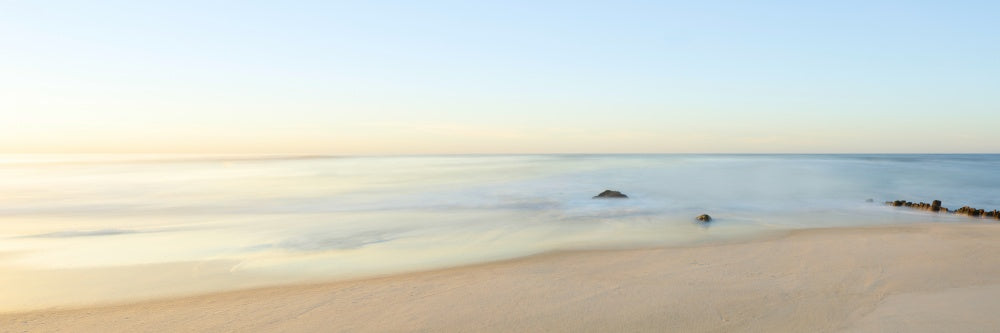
column 973, row 212
column 935, row 206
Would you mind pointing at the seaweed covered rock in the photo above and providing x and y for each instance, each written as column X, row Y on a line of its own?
column 703, row 218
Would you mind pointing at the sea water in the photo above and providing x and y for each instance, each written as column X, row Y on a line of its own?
column 80, row 229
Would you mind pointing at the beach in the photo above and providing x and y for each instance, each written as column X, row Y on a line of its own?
column 907, row 278
column 446, row 166
column 108, row 229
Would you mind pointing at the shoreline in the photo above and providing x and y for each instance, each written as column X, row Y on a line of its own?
column 805, row 279
column 212, row 272
column 326, row 281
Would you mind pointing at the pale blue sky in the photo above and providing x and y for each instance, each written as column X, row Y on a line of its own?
column 379, row 77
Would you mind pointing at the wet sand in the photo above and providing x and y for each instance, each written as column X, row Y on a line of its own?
column 927, row 277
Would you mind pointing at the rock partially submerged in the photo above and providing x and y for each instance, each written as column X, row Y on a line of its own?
column 935, row 206
column 704, row 218
column 966, row 210
column 611, row 194
column 973, row 212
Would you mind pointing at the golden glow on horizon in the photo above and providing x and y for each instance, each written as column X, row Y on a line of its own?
column 460, row 139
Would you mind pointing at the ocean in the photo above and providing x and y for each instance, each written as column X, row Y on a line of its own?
column 82, row 229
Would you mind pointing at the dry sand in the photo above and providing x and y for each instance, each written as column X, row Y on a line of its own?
column 931, row 277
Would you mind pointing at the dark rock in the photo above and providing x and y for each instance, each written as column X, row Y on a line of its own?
column 970, row 211
column 611, row 194
column 935, row 206
column 704, row 218
column 869, row 200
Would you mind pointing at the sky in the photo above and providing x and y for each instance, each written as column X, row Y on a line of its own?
column 478, row 77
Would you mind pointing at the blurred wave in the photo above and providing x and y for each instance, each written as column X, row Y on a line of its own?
column 330, row 216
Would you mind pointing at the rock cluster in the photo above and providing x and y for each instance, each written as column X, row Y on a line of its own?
column 611, row 194
column 935, row 206
column 973, row 212
column 966, row 210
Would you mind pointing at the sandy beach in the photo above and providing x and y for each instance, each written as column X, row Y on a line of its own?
column 927, row 277
column 499, row 166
